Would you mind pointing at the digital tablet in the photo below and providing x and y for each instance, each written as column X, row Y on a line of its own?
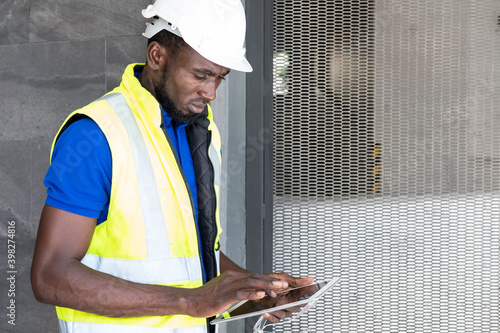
column 290, row 300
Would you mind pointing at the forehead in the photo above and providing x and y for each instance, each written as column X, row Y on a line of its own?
column 189, row 59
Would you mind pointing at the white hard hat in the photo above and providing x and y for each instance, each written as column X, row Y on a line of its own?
column 214, row 28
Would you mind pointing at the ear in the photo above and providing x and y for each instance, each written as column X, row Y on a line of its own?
column 156, row 55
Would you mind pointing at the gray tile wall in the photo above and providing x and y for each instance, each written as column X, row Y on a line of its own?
column 55, row 56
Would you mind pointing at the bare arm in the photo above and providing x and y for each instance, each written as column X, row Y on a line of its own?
column 59, row 278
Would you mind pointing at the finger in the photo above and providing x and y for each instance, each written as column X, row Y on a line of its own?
column 277, row 280
column 249, row 295
column 294, row 309
column 270, row 293
column 300, row 282
column 270, row 318
column 276, row 316
column 293, row 281
column 263, row 282
column 306, row 290
column 281, row 314
column 304, row 281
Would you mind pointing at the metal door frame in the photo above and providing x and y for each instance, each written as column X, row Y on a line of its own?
column 259, row 129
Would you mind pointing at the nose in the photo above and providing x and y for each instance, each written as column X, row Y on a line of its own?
column 208, row 91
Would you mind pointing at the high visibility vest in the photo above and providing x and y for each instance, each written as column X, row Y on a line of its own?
column 150, row 235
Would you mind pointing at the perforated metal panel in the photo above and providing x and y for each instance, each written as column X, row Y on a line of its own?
column 387, row 161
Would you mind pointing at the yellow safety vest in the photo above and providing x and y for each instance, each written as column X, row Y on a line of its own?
column 150, row 235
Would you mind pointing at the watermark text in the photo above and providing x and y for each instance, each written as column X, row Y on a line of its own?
column 11, row 272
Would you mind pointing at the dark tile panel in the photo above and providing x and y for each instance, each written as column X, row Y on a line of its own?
column 40, row 156
column 30, row 315
column 14, row 21
column 54, row 20
column 15, row 185
column 120, row 52
column 43, row 82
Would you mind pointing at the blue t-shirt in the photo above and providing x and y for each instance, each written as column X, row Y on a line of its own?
column 79, row 177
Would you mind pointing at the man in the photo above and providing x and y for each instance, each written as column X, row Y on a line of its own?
column 129, row 237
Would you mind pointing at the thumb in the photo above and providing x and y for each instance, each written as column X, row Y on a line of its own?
column 304, row 281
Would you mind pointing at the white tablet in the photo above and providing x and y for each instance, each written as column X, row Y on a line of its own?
column 291, row 298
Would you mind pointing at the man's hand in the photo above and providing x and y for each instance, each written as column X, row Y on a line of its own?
column 293, row 282
column 228, row 288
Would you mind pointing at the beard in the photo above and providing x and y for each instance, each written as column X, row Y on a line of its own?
column 169, row 106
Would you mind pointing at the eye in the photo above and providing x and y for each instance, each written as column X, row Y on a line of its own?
column 199, row 78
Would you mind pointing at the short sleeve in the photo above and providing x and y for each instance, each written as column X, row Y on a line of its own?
column 79, row 177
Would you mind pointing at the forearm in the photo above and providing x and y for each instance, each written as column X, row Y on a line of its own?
column 59, row 278
column 81, row 288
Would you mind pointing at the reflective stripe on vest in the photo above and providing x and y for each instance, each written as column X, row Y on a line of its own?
column 215, row 159
column 113, row 328
column 145, row 271
column 156, row 235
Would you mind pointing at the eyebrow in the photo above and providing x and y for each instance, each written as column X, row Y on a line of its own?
column 209, row 72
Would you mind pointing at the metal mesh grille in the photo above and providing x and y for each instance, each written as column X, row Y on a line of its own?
column 387, row 161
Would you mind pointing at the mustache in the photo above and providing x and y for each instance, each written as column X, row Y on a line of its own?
column 200, row 100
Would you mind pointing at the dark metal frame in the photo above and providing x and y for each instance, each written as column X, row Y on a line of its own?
column 259, row 143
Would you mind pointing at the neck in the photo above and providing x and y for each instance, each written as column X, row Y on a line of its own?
column 146, row 80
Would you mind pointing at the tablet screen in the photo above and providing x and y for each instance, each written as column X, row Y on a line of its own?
column 282, row 298
column 291, row 299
